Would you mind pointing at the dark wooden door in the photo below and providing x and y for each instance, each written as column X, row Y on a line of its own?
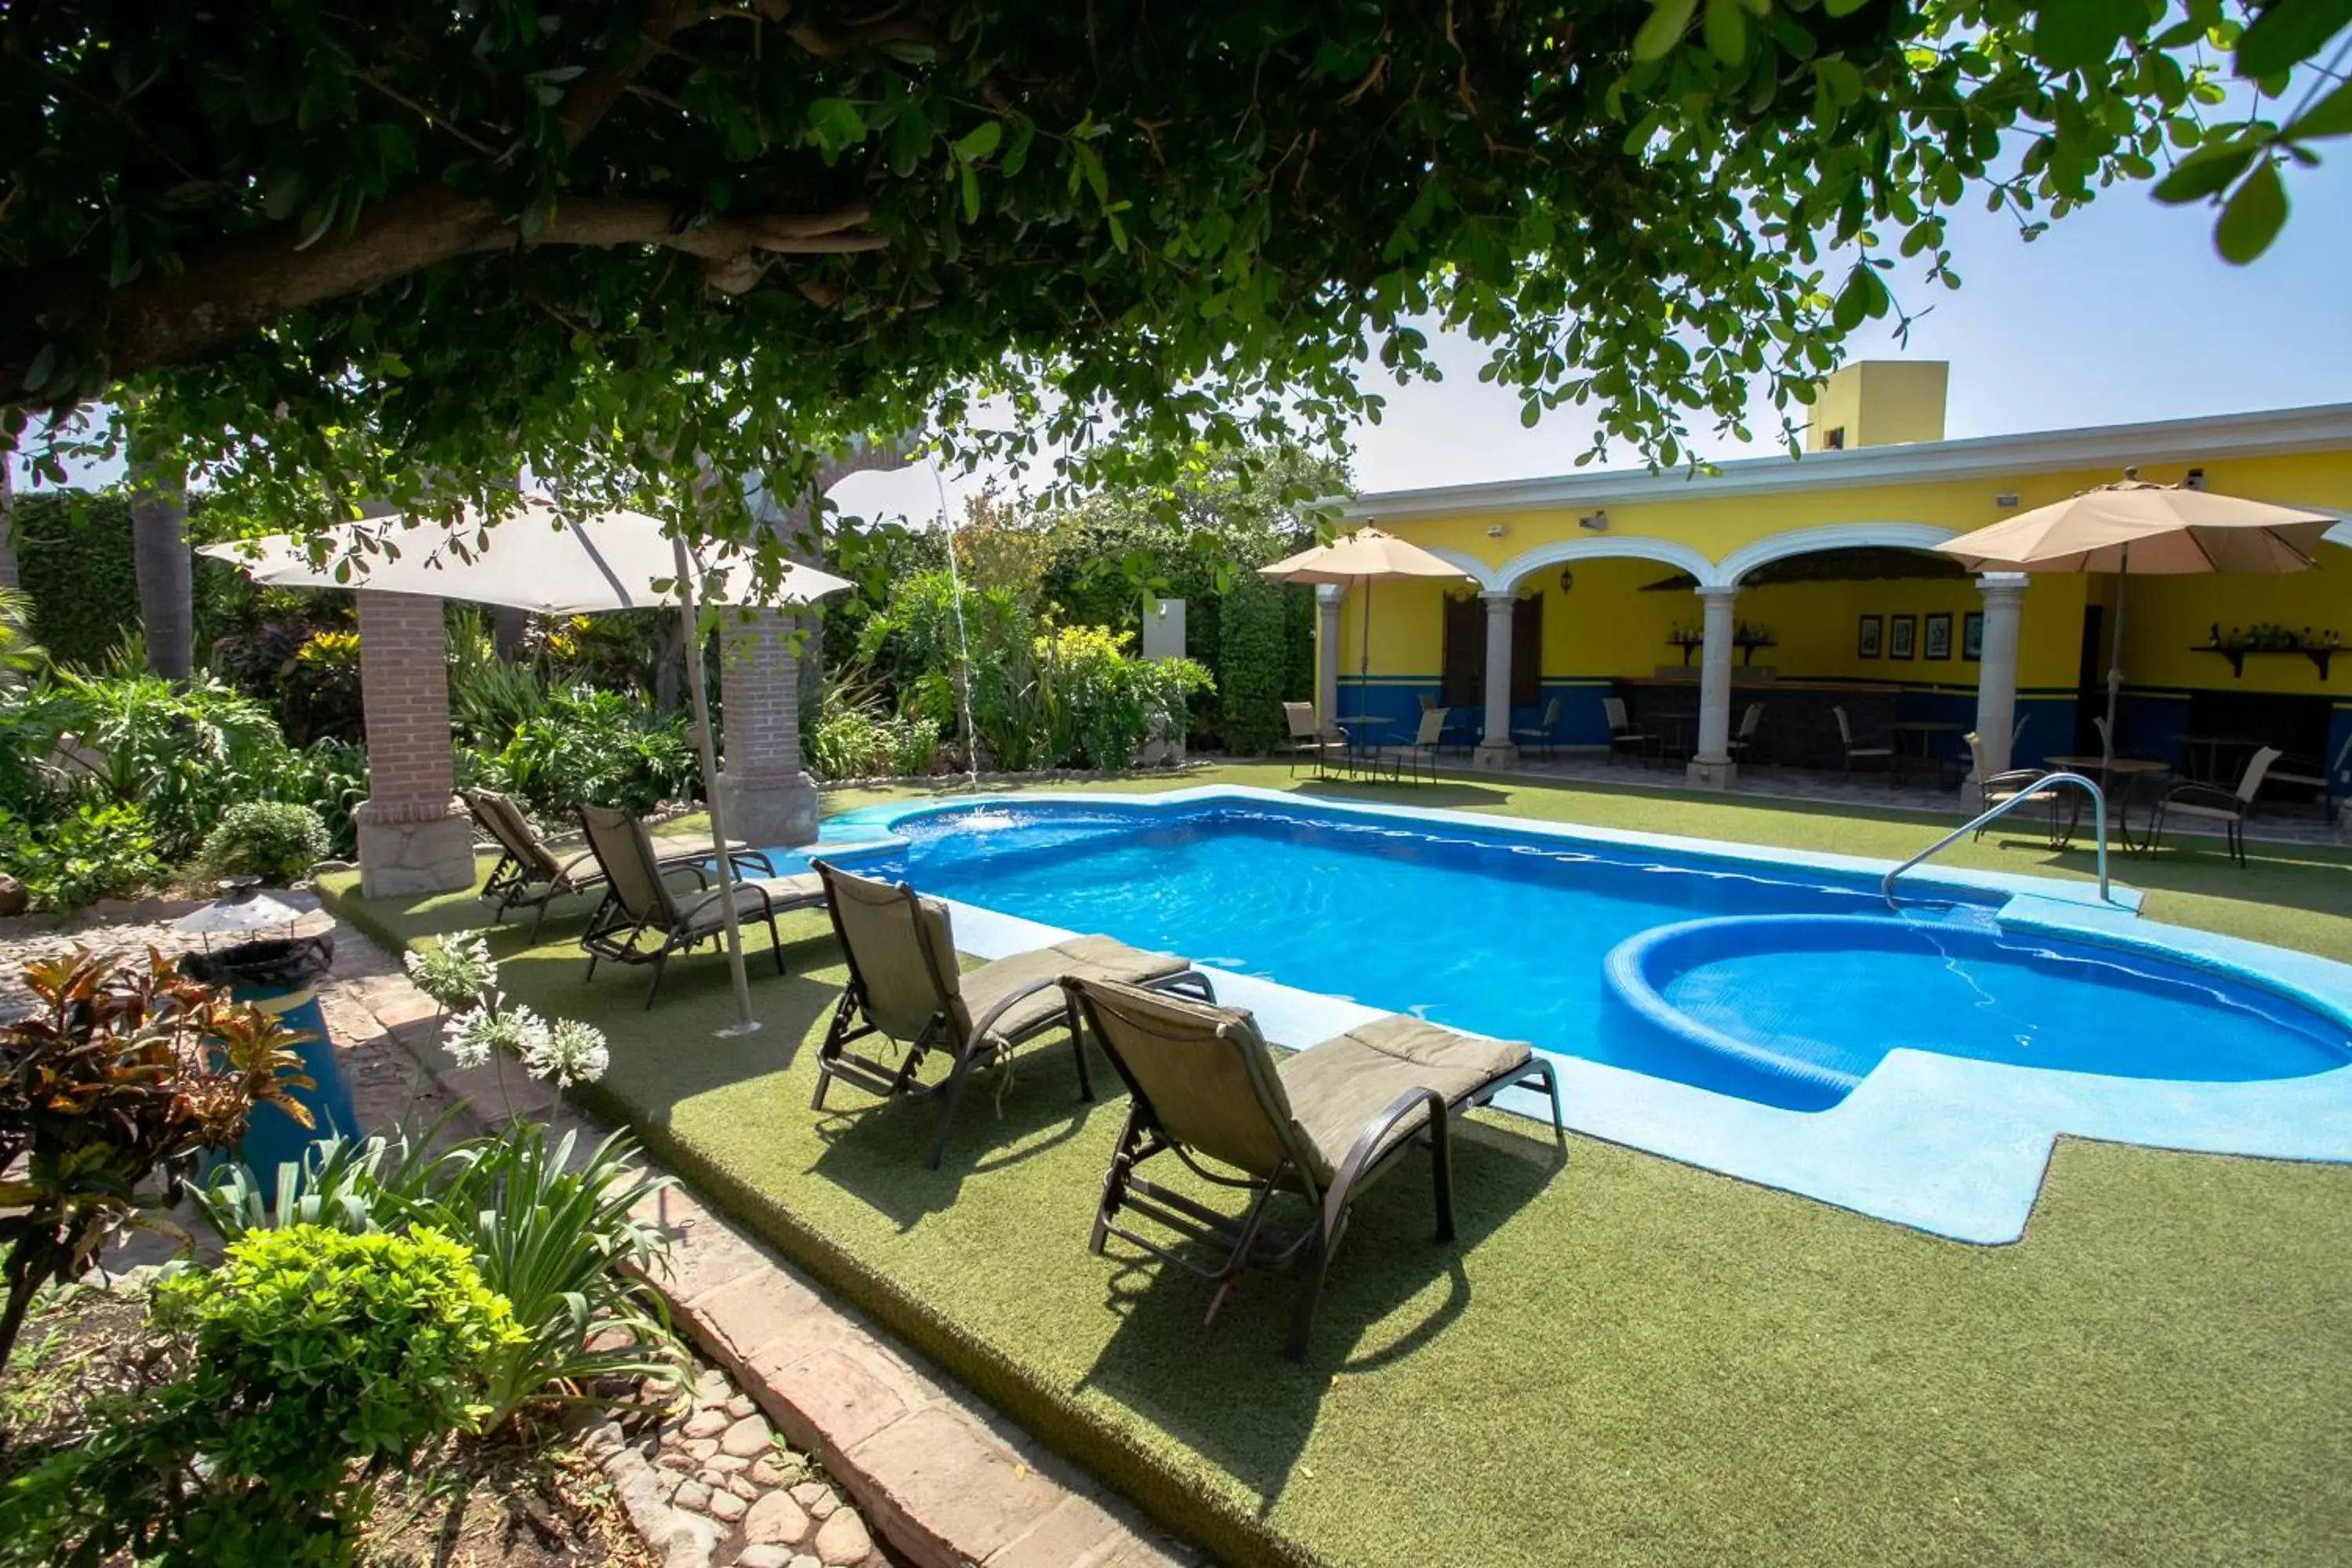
column 1462, row 676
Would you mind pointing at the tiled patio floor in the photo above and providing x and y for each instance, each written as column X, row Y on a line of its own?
column 1915, row 789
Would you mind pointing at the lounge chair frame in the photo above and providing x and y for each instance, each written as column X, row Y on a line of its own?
column 529, row 874
column 1243, row 1238
column 981, row 1047
column 661, row 926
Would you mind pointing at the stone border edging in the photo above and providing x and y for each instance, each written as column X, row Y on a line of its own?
column 940, row 1474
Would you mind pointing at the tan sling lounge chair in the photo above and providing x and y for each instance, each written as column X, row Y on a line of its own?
column 643, row 920
column 905, row 985
column 1325, row 1123
column 532, row 874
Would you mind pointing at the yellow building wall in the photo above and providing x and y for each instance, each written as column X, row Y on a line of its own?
column 1880, row 402
column 1604, row 627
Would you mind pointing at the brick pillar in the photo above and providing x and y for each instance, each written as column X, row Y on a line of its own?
column 770, row 798
column 413, row 833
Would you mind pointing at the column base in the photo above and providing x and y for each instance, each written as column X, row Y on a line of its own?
column 1704, row 773
column 407, row 847
column 1495, row 754
column 771, row 810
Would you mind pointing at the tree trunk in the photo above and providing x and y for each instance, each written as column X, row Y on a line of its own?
column 510, row 630
column 8, row 574
column 161, row 560
column 668, row 663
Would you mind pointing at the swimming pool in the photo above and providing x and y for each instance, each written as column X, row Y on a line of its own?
column 1774, row 986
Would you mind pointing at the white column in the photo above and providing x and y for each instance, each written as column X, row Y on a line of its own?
column 1328, row 597
column 2004, row 609
column 1496, row 750
column 1710, row 765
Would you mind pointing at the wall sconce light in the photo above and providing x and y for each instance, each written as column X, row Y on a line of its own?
column 1598, row 521
column 1495, row 531
column 2005, row 499
column 2195, row 482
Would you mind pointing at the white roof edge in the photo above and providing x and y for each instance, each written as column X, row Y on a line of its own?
column 2320, row 427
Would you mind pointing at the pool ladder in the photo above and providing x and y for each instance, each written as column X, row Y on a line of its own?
column 1984, row 819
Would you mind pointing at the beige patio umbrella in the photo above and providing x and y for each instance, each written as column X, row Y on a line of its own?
column 2132, row 526
column 1365, row 557
column 541, row 560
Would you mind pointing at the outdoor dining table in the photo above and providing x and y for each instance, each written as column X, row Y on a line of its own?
column 2130, row 770
column 1927, row 729
column 2213, row 746
column 1674, row 733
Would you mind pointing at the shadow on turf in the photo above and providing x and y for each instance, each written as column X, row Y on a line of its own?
column 1010, row 1113
column 1226, row 1390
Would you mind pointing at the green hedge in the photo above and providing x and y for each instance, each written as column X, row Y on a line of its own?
column 73, row 559
column 1251, row 660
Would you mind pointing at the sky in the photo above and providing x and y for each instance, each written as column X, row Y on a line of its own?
column 2118, row 313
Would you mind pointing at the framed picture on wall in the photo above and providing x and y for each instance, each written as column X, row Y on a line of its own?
column 1972, row 636
column 1940, row 636
column 1902, row 636
column 1865, row 642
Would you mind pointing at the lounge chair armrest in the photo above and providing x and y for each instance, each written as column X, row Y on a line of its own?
column 987, row 1020
column 739, row 859
column 1368, row 1146
column 2014, row 778
column 767, row 904
column 691, row 868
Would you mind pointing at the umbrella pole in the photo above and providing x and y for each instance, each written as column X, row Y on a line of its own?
column 2116, row 656
column 744, row 1023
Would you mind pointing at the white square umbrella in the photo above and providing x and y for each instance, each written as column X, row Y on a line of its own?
column 541, row 560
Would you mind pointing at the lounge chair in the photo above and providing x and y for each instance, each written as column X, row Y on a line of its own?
column 1623, row 739
column 905, row 985
column 643, row 919
column 1324, row 1124
column 1545, row 733
column 1308, row 738
column 532, row 874
column 1876, row 750
column 2211, row 803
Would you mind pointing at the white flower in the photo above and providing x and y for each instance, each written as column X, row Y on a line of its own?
column 458, row 970
column 570, row 1052
column 472, row 1036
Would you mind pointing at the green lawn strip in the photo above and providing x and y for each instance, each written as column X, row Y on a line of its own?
column 1623, row 1359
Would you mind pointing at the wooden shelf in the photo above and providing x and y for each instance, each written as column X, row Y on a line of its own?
column 2319, row 657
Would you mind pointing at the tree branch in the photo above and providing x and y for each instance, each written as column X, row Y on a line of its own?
column 220, row 297
column 594, row 95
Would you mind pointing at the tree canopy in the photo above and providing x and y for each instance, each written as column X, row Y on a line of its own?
column 336, row 250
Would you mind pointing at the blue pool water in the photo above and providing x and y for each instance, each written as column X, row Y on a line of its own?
column 1512, row 935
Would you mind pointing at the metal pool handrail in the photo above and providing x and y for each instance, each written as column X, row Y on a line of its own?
column 1983, row 819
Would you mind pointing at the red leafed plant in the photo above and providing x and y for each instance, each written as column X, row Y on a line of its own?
column 125, row 1071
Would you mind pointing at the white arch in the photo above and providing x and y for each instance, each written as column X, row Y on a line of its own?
column 1829, row 536
column 1560, row 551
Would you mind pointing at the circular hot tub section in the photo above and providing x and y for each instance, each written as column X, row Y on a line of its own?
column 1794, row 1011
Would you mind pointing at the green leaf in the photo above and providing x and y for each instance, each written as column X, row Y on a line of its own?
column 2290, row 33
column 836, row 123
column 1726, row 30
column 1844, row 8
column 2253, row 217
column 2331, row 116
column 1669, row 20
column 2204, row 172
column 2077, row 35
column 980, row 141
column 37, row 375
column 971, row 185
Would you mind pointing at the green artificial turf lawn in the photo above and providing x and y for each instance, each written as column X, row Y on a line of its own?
column 1622, row 1359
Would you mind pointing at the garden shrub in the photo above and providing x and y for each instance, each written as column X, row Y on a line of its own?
column 320, row 1359
column 854, row 736
column 273, row 839
column 74, row 562
column 330, row 776
column 594, row 748
column 122, row 1071
column 1250, row 657
column 93, row 850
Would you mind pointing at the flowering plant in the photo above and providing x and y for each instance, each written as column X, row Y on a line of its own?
column 459, row 970
column 478, row 1033
column 568, row 1052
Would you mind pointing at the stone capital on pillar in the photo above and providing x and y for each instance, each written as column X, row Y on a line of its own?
column 1711, row 766
column 1495, row 747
